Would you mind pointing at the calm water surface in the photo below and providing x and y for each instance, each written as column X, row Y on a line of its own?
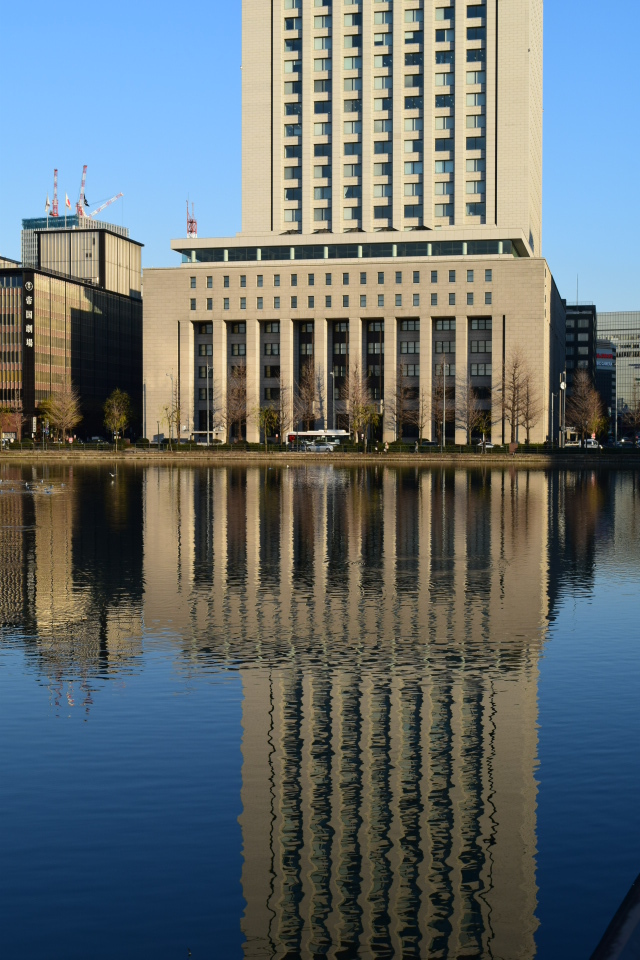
column 309, row 712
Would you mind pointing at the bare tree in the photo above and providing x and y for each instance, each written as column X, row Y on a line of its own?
column 530, row 405
column 171, row 413
column 11, row 420
column 632, row 415
column 403, row 403
column 63, row 409
column 268, row 420
column 443, row 401
column 359, row 402
column 235, row 412
column 511, row 391
column 420, row 414
column 584, row 406
column 285, row 412
column 304, row 403
column 117, row 412
column 468, row 409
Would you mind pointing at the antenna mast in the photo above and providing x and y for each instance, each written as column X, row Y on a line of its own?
column 192, row 223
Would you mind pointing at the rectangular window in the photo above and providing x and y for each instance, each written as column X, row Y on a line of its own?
column 434, row 299
column 260, row 280
column 413, row 210
column 352, row 169
column 487, row 298
column 239, row 328
column 276, row 279
column 382, row 60
column 311, row 302
column 311, row 279
column 352, row 213
column 209, row 303
column 363, row 278
column 476, row 10
column 482, row 323
column 488, row 276
column 294, row 303
column 381, row 169
column 469, row 276
column 272, row 349
column 444, row 210
column 413, row 167
column 345, row 300
column 205, row 350
column 327, row 279
column 398, row 299
column 259, row 303
column 202, row 373
column 351, row 149
column 363, row 299
column 410, row 346
column 476, row 77
column 243, row 303
column 225, row 303
column 272, row 393
column 352, row 63
column 381, row 299
column 193, row 304
column 444, row 79
column 481, row 369
column 345, row 279
column 320, row 65
column 452, row 299
column 434, row 276
column 443, row 144
column 273, row 327
column 476, row 56
column 238, row 349
column 327, row 301
column 193, row 283
column 443, row 189
column 445, row 324
column 416, row 299
column 475, row 209
column 209, row 283
column 271, row 373
column 469, row 299
column 306, row 349
column 276, row 303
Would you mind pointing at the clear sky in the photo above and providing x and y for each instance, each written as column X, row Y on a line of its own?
column 138, row 91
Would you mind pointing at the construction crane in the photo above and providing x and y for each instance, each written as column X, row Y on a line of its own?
column 54, row 206
column 107, row 203
column 82, row 202
column 192, row 223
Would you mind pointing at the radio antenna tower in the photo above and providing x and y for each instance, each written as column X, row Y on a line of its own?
column 192, row 223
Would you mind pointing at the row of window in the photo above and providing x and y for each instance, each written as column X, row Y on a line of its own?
column 412, row 210
column 324, row 21
column 441, row 188
column 474, row 11
column 328, row 301
column 377, row 326
column 346, row 277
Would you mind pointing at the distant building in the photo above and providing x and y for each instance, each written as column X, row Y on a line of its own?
column 606, row 375
column 581, row 340
column 35, row 225
column 623, row 329
column 73, row 318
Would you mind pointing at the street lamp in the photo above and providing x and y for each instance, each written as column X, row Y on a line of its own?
column 170, row 375
column 333, row 399
column 563, row 406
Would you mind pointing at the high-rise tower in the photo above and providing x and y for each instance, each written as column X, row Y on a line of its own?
column 404, row 115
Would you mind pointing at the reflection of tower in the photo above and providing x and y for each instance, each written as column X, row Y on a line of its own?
column 16, row 555
column 388, row 776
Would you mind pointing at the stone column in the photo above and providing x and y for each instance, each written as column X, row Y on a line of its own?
column 320, row 363
column 287, row 369
column 425, row 397
column 219, row 381
column 390, row 373
column 462, row 375
column 253, row 381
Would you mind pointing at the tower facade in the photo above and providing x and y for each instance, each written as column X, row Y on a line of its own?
column 393, row 116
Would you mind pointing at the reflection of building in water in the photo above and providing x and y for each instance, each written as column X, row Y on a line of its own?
column 389, row 624
column 72, row 565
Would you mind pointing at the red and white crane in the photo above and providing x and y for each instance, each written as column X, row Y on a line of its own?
column 192, row 223
column 107, row 203
column 80, row 205
column 54, row 206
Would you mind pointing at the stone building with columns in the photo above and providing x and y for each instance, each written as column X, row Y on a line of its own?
column 391, row 226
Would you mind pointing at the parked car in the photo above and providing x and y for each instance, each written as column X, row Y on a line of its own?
column 487, row 444
column 429, row 443
column 591, row 444
column 321, row 446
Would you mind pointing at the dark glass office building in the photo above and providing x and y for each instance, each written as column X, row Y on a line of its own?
column 75, row 320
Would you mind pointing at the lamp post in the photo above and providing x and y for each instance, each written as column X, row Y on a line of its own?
column 563, row 406
column 170, row 375
column 552, row 421
column 333, row 399
column 208, row 375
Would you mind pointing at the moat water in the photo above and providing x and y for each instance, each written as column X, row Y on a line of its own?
column 317, row 711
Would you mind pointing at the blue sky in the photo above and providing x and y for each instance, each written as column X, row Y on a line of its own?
column 138, row 92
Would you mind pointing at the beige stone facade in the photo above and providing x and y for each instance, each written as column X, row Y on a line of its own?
column 400, row 116
column 223, row 314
